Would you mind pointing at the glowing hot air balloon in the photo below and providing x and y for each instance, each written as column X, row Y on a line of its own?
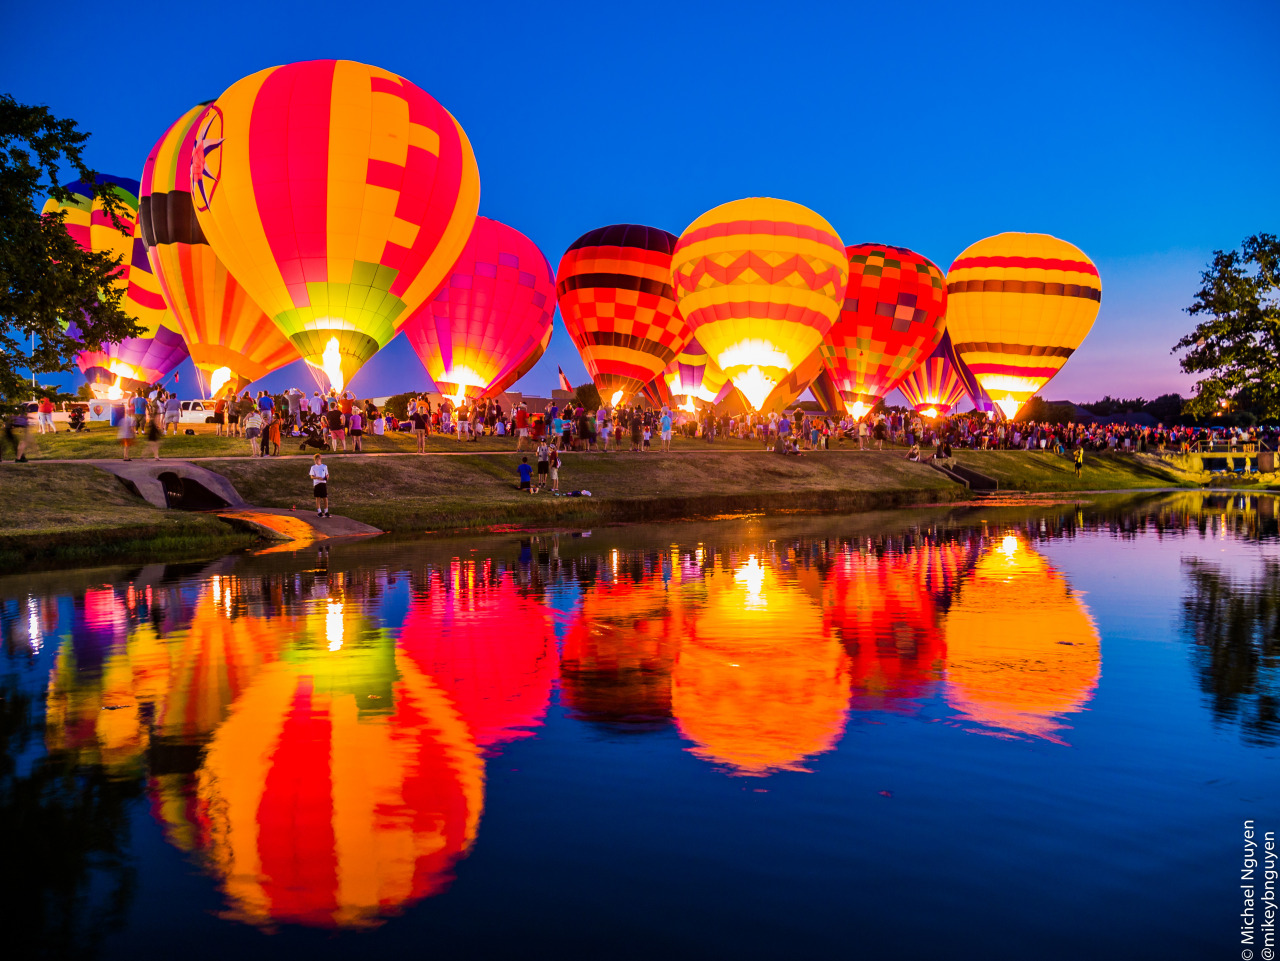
column 694, row 374
column 493, row 313
column 893, row 316
column 232, row 342
column 340, row 196
column 614, row 287
column 761, row 281
column 134, row 362
column 1019, row 305
column 937, row 384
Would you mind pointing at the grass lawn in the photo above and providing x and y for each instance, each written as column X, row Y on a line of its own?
column 1044, row 471
column 98, row 441
column 435, row 493
column 76, row 511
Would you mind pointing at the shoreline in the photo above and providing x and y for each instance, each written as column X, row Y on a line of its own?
column 72, row 513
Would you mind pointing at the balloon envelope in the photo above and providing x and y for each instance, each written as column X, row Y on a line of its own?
column 614, row 288
column 892, row 317
column 490, row 316
column 1018, row 306
column 134, row 362
column 937, row 383
column 761, row 281
column 340, row 195
column 232, row 342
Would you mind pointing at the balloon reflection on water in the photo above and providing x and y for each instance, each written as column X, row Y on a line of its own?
column 758, row 685
column 1022, row 649
column 324, row 759
column 489, row 644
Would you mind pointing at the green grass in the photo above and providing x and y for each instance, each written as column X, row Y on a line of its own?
column 77, row 512
column 1038, row 471
column 98, row 442
column 446, row 493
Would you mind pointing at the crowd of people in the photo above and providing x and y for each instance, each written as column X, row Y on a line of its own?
column 329, row 421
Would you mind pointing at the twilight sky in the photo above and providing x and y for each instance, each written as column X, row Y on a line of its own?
column 1143, row 133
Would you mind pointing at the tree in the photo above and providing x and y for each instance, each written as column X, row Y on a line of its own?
column 1238, row 341
column 45, row 276
column 587, row 396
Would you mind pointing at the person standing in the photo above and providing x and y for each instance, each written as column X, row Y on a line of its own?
column 219, row 416
column 522, row 426
column 252, row 425
column 139, row 405
column 419, row 420
column 553, row 465
column 337, row 426
column 46, row 416
column 665, row 424
column 1079, row 459
column 355, row 424
column 544, row 454
column 125, row 434
column 154, row 436
column 320, row 486
column 267, row 412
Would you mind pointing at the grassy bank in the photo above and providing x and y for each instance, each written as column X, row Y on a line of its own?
column 67, row 512
column 64, row 513
column 448, row 493
column 1041, row 471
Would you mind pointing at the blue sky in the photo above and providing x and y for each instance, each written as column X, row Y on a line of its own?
column 1143, row 133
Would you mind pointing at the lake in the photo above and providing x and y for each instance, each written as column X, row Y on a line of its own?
column 1034, row 729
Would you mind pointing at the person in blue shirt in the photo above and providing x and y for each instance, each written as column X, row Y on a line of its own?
column 665, row 424
column 526, row 475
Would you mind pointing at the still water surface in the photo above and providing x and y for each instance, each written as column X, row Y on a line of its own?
column 1021, row 731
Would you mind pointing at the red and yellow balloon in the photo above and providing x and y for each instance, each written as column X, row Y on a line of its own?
column 232, row 342
column 340, row 195
column 761, row 281
column 893, row 316
column 614, row 288
column 1019, row 305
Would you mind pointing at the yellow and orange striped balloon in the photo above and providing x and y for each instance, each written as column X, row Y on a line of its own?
column 232, row 342
column 761, row 281
column 340, row 195
column 1019, row 305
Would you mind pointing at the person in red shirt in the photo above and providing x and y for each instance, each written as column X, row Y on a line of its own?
column 522, row 426
column 45, row 411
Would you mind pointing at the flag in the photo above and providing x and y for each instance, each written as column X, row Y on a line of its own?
column 564, row 381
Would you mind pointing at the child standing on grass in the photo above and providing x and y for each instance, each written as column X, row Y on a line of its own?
column 544, row 453
column 1079, row 459
column 553, row 465
column 320, row 486
column 356, row 425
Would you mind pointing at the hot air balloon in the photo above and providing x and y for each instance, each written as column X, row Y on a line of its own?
column 893, row 315
column 761, row 282
column 232, row 342
column 1022, row 651
column 1019, row 305
column 787, row 391
column 614, row 288
column 824, row 392
column 340, row 196
column 493, row 312
column 935, row 386
column 134, row 362
column 694, row 374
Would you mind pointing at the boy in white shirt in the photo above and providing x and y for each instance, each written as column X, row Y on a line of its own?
column 320, row 487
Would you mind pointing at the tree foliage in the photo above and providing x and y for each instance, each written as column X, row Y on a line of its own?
column 587, row 396
column 1237, row 341
column 45, row 276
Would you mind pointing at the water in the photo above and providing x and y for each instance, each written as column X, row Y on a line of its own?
column 1020, row 731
